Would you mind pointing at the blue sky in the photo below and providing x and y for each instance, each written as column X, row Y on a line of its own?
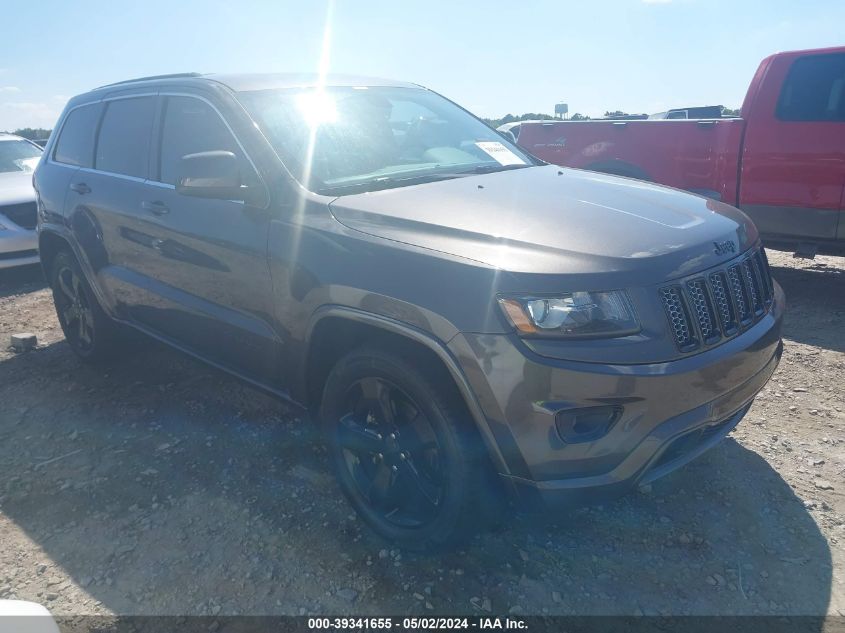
column 491, row 57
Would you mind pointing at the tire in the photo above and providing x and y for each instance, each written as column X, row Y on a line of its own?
column 378, row 407
column 91, row 334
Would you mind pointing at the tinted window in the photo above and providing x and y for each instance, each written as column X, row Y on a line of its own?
column 192, row 126
column 814, row 90
column 76, row 141
column 124, row 141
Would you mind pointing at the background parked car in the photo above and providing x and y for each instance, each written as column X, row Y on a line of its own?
column 18, row 242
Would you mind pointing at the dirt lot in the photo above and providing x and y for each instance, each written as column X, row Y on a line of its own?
column 159, row 486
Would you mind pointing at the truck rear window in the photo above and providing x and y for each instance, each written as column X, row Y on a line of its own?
column 814, row 90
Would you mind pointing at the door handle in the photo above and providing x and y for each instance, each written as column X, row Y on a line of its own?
column 155, row 207
column 80, row 188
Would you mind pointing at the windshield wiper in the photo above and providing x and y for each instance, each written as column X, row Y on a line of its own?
column 386, row 182
column 391, row 182
column 489, row 169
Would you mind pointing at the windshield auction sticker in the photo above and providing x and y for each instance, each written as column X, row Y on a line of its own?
column 499, row 153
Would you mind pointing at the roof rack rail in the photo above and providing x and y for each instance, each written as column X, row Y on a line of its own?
column 150, row 78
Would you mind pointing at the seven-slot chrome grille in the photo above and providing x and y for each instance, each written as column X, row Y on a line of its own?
column 716, row 305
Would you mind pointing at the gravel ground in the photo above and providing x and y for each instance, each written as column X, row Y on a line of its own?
column 156, row 485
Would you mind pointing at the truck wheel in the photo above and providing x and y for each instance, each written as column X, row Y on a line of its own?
column 91, row 334
column 403, row 451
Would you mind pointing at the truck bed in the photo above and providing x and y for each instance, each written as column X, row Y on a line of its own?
column 701, row 156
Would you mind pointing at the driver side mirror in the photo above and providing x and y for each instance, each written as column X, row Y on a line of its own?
column 214, row 174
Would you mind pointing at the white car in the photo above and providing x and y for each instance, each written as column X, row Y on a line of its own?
column 21, row 616
column 18, row 241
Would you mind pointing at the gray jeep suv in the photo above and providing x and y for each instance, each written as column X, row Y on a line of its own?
column 465, row 321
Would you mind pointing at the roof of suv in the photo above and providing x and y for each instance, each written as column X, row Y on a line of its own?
column 268, row 81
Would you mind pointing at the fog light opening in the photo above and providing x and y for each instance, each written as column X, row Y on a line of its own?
column 586, row 425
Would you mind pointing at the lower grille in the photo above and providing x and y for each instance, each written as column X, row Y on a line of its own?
column 689, row 442
column 702, row 310
column 23, row 214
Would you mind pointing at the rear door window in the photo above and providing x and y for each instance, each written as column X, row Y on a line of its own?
column 76, row 139
column 191, row 126
column 123, row 145
column 814, row 90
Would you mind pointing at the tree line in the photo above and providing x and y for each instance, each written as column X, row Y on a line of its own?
column 528, row 116
column 32, row 133
column 609, row 114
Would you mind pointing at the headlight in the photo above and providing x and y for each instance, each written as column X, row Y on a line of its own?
column 575, row 314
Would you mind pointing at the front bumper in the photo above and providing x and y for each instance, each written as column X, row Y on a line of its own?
column 671, row 412
column 18, row 246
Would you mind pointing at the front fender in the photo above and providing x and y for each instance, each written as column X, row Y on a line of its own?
column 436, row 346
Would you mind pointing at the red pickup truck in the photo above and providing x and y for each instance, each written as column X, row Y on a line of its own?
column 782, row 161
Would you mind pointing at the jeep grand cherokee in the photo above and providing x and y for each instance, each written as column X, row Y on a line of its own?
column 462, row 319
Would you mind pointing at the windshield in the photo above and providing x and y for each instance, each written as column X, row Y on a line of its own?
column 18, row 156
column 348, row 140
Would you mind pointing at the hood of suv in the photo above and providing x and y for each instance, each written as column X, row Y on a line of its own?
column 16, row 187
column 552, row 220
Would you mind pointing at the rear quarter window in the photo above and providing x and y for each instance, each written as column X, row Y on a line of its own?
column 75, row 145
column 814, row 89
column 123, row 144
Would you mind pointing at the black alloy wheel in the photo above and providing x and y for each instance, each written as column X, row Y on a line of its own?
column 391, row 452
column 405, row 452
column 73, row 307
column 91, row 334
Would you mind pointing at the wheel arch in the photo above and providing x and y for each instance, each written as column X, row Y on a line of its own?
column 49, row 244
column 334, row 331
column 51, row 240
